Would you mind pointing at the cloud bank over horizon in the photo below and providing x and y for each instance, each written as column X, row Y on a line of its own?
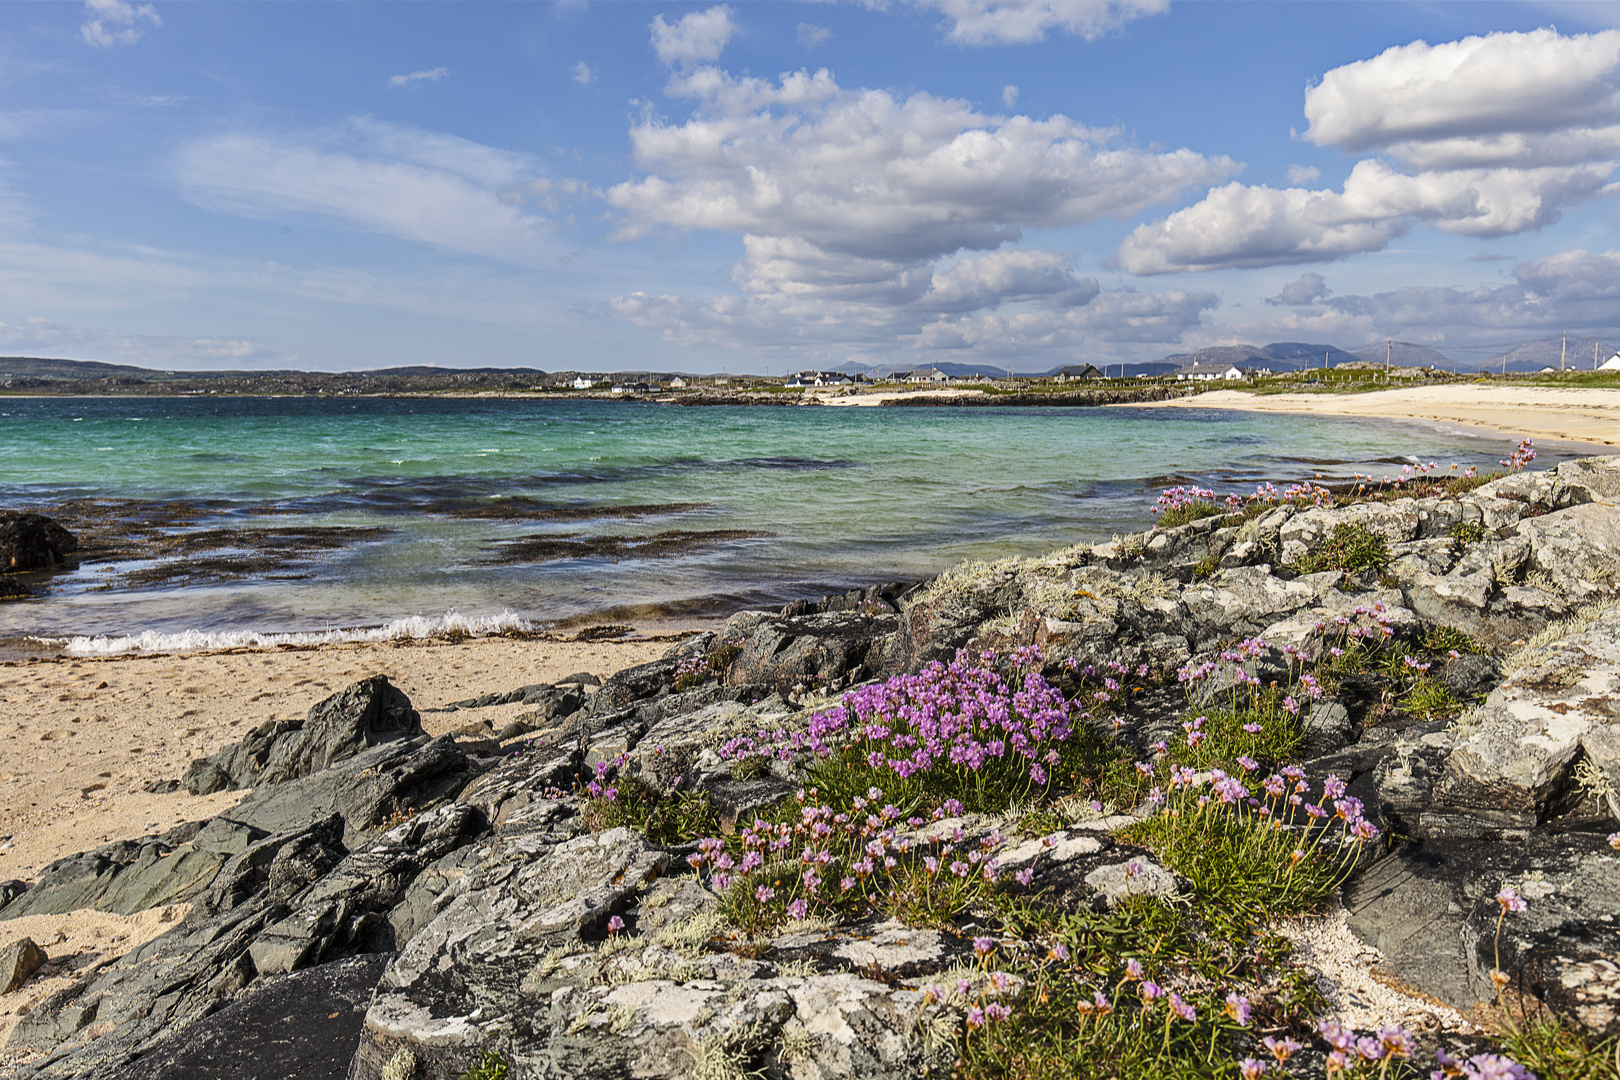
column 1022, row 182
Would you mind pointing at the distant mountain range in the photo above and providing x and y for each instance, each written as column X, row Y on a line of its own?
column 1278, row 356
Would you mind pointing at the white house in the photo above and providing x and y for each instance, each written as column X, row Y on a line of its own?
column 925, row 375
column 583, row 383
column 1199, row 371
column 1611, row 364
column 677, row 383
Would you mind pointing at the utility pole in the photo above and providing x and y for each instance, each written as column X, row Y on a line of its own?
column 1564, row 353
column 1389, row 349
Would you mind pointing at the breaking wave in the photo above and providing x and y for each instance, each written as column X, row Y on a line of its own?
column 417, row 626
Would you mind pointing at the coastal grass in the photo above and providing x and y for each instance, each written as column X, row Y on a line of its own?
column 491, row 1066
column 1350, row 548
column 1196, row 510
column 1554, row 1051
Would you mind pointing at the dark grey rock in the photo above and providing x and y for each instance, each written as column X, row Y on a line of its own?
column 304, row 1025
column 370, row 791
column 581, row 678
column 1432, row 910
column 33, row 542
column 130, row 876
column 367, row 714
column 10, row 890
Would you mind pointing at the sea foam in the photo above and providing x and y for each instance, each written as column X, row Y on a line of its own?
column 417, row 626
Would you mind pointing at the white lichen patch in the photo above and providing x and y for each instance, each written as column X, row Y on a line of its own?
column 1345, row 965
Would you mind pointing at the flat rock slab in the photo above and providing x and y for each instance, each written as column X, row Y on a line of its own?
column 1432, row 910
column 305, row 1025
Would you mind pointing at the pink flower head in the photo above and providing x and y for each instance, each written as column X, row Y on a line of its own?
column 1133, row 968
column 984, row 946
column 1281, row 1049
column 1510, row 899
column 1237, row 1007
column 615, row 924
column 1181, row 1009
column 1251, row 1069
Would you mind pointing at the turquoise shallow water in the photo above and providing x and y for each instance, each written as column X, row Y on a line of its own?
column 847, row 496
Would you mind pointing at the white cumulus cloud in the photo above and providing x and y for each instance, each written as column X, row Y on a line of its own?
column 583, row 74
column 699, row 37
column 1242, row 226
column 1498, row 134
column 1307, row 289
column 428, row 75
column 115, row 22
column 1300, row 175
column 866, row 217
column 1501, row 99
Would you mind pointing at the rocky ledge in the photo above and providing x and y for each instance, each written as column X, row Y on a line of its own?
column 768, row 853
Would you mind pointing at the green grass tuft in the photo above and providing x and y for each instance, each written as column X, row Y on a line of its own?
column 1350, row 549
column 491, row 1066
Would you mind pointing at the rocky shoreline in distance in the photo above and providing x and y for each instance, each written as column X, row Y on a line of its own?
column 1442, row 668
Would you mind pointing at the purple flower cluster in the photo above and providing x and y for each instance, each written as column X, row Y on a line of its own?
column 960, row 723
column 1480, row 1067
column 1522, row 455
column 851, row 855
column 1180, row 498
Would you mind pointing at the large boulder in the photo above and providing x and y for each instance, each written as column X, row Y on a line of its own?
column 33, row 542
column 1431, row 909
column 371, row 791
column 825, row 651
column 287, row 902
column 303, row 1025
column 367, row 714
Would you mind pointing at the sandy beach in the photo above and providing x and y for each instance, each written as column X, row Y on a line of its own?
column 1588, row 417
column 878, row 397
column 82, row 737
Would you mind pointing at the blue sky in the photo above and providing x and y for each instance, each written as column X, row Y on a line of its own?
column 769, row 186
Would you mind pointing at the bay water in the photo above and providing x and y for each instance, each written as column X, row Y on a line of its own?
column 835, row 498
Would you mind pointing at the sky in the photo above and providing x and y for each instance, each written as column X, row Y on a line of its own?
column 768, row 187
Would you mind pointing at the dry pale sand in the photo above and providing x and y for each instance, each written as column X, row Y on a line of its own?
column 878, row 397
column 1590, row 417
column 81, row 737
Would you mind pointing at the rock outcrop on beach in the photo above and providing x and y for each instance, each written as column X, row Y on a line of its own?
column 28, row 543
column 470, row 895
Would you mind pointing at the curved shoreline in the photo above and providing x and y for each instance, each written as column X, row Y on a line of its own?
column 1586, row 419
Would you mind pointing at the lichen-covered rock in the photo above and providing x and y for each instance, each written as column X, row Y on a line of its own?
column 1578, row 550
column 1514, row 760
